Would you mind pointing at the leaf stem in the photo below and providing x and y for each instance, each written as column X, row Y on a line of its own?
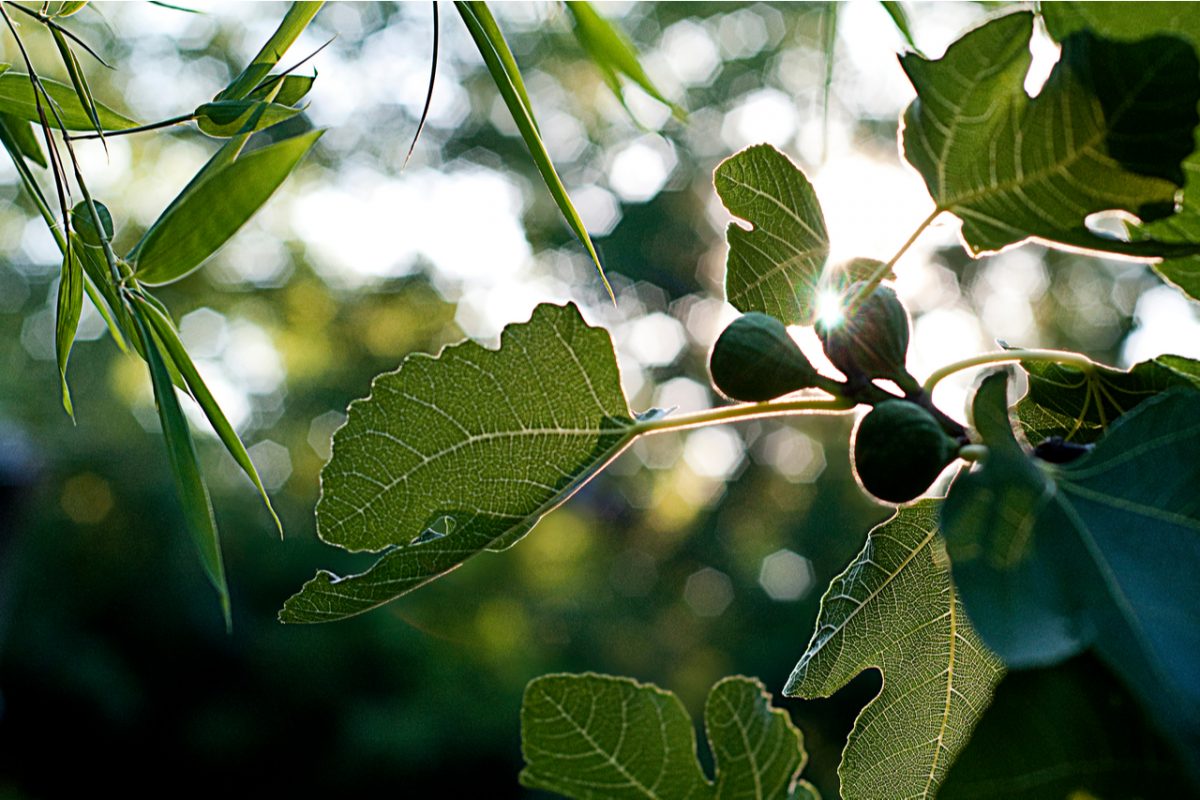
column 885, row 269
column 743, row 412
column 151, row 126
column 1008, row 356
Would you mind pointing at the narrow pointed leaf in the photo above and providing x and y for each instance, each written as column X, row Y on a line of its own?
column 894, row 609
column 226, row 118
column 503, row 69
column 185, row 467
column 66, row 318
column 294, row 88
column 83, row 91
column 212, row 211
column 596, row 737
column 68, row 7
column 1054, row 559
column 612, row 53
column 297, row 18
column 17, row 99
column 22, row 133
column 464, row 452
column 165, row 331
column 774, row 266
column 900, row 20
column 1108, row 132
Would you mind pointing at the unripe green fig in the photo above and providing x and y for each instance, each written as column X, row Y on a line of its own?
column 754, row 359
column 899, row 450
column 871, row 341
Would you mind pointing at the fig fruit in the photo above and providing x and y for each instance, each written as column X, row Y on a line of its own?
column 899, row 450
column 754, row 360
column 871, row 341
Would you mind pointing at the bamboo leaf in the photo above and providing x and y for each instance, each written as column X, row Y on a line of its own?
column 83, row 91
column 226, row 118
column 66, row 319
column 185, row 467
column 209, row 213
column 899, row 17
column 503, row 69
column 613, row 54
column 294, row 88
column 297, row 18
column 17, row 99
column 165, row 331
column 22, row 133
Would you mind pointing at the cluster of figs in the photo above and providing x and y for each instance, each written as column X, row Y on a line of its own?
column 904, row 442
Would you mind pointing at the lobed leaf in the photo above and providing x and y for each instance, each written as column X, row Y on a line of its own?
column 1079, row 405
column 208, row 213
column 197, row 506
column 1108, row 132
column 464, row 452
column 773, row 267
column 1179, row 20
column 895, row 609
column 297, row 18
column 1051, row 560
column 503, row 69
column 613, row 54
column 17, row 100
column 595, row 736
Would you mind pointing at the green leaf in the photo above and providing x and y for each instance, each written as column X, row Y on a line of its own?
column 293, row 24
column 900, row 20
column 17, row 99
column 1153, row 19
column 1051, row 560
column 1079, row 404
column 1108, row 131
column 600, row 737
column 226, row 118
column 185, row 466
column 294, row 89
column 774, row 266
column 613, row 54
column 67, row 8
column 66, row 318
column 211, row 212
column 22, row 133
column 503, row 69
column 165, row 331
column 894, row 609
column 1070, row 731
column 464, row 452
column 83, row 91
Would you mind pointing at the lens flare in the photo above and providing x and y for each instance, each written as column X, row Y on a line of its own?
column 830, row 308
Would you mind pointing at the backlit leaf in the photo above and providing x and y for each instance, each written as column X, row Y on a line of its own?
column 1108, row 131
column 66, row 318
column 596, row 737
column 17, row 99
column 22, row 133
column 774, row 266
column 464, row 452
column 231, row 117
column 1094, row 553
column 297, row 18
column 894, row 609
column 212, row 211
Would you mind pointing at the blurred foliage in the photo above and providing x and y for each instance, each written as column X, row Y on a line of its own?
column 110, row 653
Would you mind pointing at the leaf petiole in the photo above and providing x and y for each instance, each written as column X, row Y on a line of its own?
column 1008, row 356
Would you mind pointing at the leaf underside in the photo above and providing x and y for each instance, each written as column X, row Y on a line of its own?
column 595, row 737
column 1093, row 554
column 1108, row 132
column 775, row 266
column 464, row 452
column 895, row 609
